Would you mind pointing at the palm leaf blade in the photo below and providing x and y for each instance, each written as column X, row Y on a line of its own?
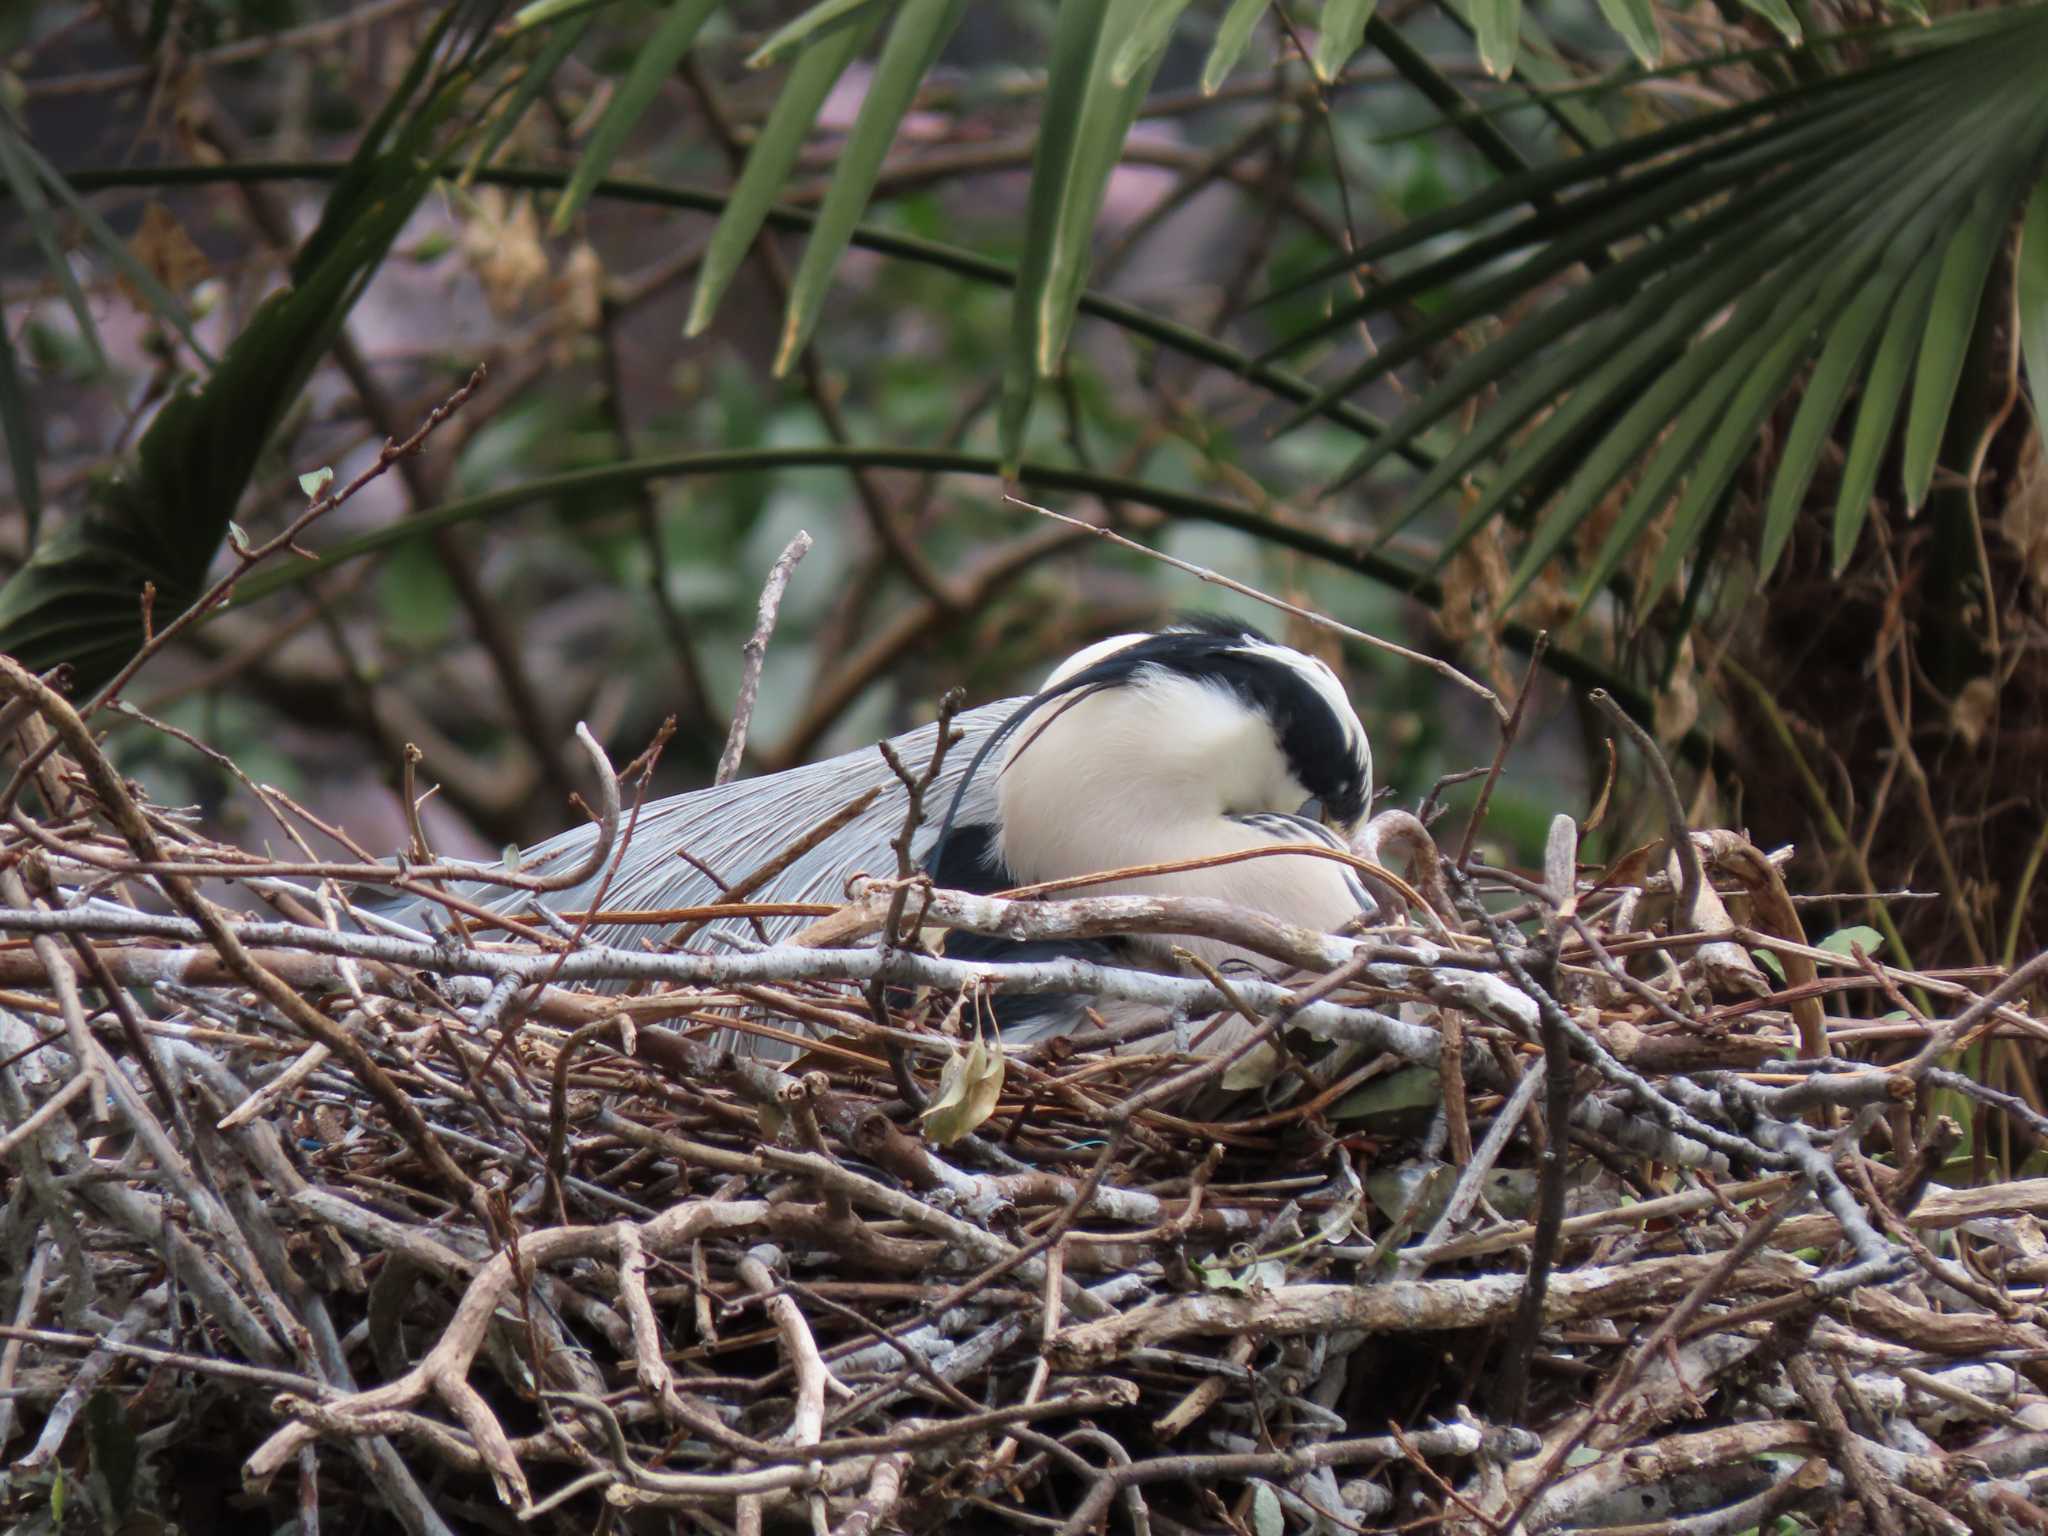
column 1951, row 321
column 773, row 156
column 1756, row 250
column 1778, row 14
column 1752, row 234
column 35, row 208
column 1146, row 42
column 1636, row 21
column 920, row 29
column 1233, row 33
column 801, row 33
column 1883, row 389
column 562, row 42
column 1085, row 117
column 2032, row 278
column 652, row 66
column 18, row 431
column 1342, row 35
column 1497, row 24
column 1767, row 376
column 1567, row 233
column 1108, row 109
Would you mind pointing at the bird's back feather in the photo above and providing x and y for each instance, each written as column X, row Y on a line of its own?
column 728, row 830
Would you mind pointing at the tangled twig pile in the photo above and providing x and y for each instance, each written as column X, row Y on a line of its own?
column 591, row 1258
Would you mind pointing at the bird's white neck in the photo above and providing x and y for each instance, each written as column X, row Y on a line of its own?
column 1140, row 775
column 1153, row 772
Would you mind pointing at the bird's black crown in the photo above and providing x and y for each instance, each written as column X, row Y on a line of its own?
column 1321, row 746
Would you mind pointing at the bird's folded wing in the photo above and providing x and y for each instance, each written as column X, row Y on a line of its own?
column 729, row 830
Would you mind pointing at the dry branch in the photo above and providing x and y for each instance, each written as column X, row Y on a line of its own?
column 450, row 1210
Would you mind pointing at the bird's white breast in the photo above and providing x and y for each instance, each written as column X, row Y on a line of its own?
column 1153, row 772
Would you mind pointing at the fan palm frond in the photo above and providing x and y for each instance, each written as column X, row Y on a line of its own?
column 81, row 597
column 1847, row 226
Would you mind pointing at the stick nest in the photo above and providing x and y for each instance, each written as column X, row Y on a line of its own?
column 1536, row 1203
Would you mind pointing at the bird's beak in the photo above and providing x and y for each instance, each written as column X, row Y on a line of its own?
column 1314, row 810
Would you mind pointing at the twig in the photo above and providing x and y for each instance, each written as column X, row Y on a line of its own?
column 755, row 651
column 247, row 557
column 1510, row 1399
column 1510, row 729
column 1677, row 835
column 1442, row 668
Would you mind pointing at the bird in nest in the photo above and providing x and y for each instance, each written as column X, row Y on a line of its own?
column 1198, row 740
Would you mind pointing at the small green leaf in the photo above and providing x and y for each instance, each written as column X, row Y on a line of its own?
column 1260, row 1274
column 1410, row 1088
column 800, row 32
column 2033, row 301
column 1769, row 962
column 1869, row 940
column 1498, row 26
column 1636, row 21
column 1342, row 35
column 773, row 156
column 314, row 481
column 1779, row 15
column 652, row 66
column 1232, row 34
column 1254, row 1069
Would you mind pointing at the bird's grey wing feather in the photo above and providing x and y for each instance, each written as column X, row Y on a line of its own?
column 729, row 830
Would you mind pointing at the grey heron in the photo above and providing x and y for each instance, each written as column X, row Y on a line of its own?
column 1200, row 739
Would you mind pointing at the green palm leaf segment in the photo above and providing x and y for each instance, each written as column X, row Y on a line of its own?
column 2033, row 300
column 78, row 598
column 828, row 49
column 1843, row 231
column 1090, row 105
column 652, row 66
column 917, row 32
